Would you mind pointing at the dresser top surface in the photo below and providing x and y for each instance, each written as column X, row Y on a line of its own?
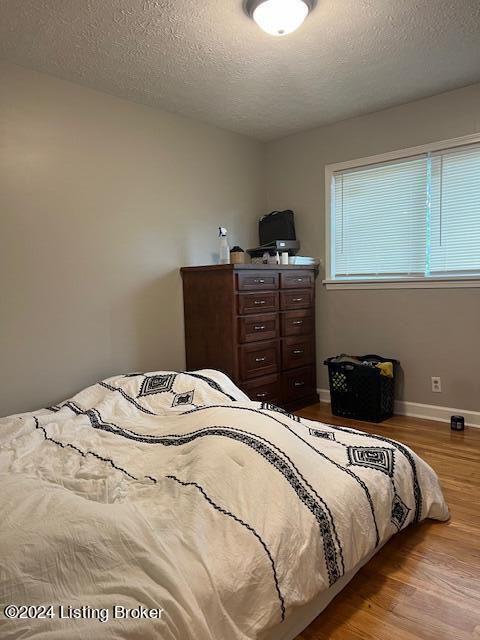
column 250, row 266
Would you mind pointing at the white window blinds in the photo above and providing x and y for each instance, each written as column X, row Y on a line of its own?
column 413, row 217
column 455, row 212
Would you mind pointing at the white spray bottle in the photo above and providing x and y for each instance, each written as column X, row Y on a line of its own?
column 224, row 248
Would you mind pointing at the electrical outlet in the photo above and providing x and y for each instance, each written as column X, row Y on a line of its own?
column 436, row 384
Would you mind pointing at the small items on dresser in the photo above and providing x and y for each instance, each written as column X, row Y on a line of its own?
column 237, row 255
column 256, row 323
column 224, row 249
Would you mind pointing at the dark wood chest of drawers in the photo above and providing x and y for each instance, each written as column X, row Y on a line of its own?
column 256, row 323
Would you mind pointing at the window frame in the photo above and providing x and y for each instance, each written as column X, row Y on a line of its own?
column 419, row 282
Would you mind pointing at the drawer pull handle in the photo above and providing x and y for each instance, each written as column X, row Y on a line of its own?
column 259, row 281
column 297, row 352
column 262, row 395
column 297, row 299
column 299, row 279
column 297, row 322
column 259, row 327
column 259, row 302
column 298, row 384
column 262, row 359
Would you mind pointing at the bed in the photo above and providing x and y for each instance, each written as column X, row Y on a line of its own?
column 168, row 506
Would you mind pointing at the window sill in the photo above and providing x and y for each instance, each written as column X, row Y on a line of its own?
column 405, row 283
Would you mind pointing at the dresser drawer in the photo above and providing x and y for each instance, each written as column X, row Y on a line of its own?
column 266, row 389
column 297, row 323
column 257, row 302
column 297, row 351
column 258, row 327
column 298, row 383
column 296, row 299
column 259, row 358
column 257, row 280
column 296, row 279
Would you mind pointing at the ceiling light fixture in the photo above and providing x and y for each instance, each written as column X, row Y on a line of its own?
column 279, row 17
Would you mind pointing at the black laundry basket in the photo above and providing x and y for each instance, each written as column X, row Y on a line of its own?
column 360, row 391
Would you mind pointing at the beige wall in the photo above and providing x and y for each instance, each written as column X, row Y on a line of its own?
column 101, row 202
column 432, row 332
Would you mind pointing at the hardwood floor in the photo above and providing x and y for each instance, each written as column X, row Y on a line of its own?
column 425, row 583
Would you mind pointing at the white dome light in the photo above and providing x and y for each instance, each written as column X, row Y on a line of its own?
column 279, row 17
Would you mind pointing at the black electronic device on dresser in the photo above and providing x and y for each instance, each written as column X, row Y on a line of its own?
column 256, row 323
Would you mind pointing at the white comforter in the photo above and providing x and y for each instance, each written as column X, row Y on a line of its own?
column 174, row 493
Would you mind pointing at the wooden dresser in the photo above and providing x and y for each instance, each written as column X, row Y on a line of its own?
column 256, row 323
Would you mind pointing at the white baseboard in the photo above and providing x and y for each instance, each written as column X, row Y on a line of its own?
column 324, row 395
column 425, row 411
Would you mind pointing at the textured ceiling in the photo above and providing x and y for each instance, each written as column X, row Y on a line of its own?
column 206, row 59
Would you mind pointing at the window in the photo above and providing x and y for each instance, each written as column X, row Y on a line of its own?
column 414, row 218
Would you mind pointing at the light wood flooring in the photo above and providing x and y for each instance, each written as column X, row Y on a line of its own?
column 425, row 583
